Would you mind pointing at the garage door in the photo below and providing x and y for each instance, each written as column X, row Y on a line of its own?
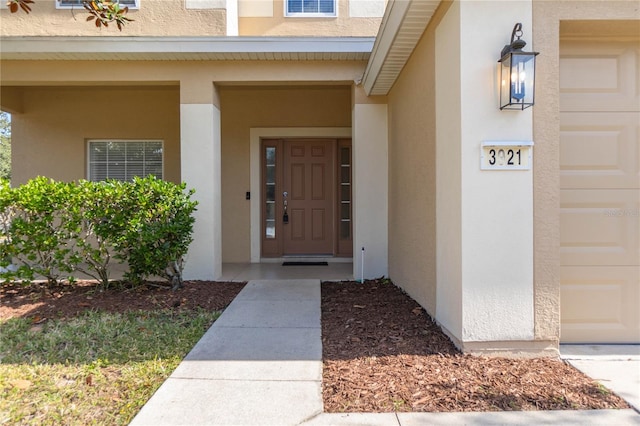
column 600, row 191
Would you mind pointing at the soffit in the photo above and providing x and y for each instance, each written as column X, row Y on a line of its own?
column 187, row 48
column 402, row 27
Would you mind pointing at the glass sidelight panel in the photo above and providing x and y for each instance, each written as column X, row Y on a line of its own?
column 271, row 156
column 345, row 213
column 345, row 155
column 271, row 173
column 345, row 173
column 345, row 230
column 270, row 220
column 270, row 192
column 345, row 192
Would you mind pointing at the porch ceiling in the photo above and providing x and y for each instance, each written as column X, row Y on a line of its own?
column 187, row 48
column 401, row 29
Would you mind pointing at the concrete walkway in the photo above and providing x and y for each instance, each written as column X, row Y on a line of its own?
column 261, row 364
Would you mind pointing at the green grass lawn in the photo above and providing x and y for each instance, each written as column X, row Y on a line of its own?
column 98, row 368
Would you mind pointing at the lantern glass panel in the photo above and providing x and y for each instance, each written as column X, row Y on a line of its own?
column 517, row 80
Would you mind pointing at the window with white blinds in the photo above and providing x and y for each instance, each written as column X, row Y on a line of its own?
column 310, row 8
column 124, row 159
column 66, row 4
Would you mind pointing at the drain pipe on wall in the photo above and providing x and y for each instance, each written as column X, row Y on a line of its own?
column 362, row 270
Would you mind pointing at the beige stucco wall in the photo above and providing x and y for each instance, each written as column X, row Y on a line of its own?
column 153, row 18
column 50, row 136
column 449, row 262
column 412, row 173
column 201, row 170
column 243, row 108
column 174, row 18
column 11, row 100
column 497, row 206
column 442, row 108
column 370, row 170
column 339, row 26
column 548, row 18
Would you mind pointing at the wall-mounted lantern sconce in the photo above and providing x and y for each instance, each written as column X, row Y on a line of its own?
column 517, row 73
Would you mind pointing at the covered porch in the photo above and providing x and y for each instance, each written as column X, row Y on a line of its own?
column 211, row 102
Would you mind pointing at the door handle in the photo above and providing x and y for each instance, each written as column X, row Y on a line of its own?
column 285, row 216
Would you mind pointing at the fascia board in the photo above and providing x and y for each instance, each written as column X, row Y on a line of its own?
column 391, row 24
column 35, row 45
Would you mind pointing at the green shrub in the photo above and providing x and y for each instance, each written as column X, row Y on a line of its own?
column 42, row 229
column 159, row 230
column 6, row 201
column 53, row 228
column 103, row 218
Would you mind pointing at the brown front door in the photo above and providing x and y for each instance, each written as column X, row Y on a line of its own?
column 306, row 197
column 309, row 176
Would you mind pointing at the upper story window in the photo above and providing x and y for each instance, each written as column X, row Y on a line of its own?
column 68, row 4
column 124, row 159
column 310, row 8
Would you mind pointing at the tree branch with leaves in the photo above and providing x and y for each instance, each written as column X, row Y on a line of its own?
column 101, row 12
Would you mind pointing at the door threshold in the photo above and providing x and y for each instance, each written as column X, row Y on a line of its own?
column 327, row 259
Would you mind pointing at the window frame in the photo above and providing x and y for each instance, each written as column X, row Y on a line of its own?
column 61, row 5
column 288, row 14
column 88, row 155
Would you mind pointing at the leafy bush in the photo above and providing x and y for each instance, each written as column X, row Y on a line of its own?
column 103, row 219
column 41, row 229
column 6, row 201
column 50, row 228
column 159, row 230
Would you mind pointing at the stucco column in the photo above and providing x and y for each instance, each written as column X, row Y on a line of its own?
column 484, row 217
column 370, row 186
column 200, row 163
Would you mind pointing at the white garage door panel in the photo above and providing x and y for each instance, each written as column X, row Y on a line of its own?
column 603, row 304
column 599, row 76
column 599, row 227
column 600, row 192
column 599, row 150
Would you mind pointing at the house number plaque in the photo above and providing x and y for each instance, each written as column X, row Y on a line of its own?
column 506, row 155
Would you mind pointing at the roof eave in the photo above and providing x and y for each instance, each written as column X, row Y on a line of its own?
column 402, row 26
column 162, row 48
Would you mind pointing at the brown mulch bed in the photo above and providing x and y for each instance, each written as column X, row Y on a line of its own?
column 66, row 301
column 382, row 352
